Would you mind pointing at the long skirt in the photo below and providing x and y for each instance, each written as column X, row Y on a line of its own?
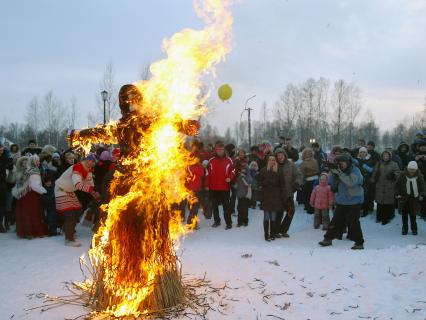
column 30, row 221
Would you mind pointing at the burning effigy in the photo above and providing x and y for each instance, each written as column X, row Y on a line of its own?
column 134, row 268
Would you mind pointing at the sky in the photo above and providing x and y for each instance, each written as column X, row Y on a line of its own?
column 64, row 46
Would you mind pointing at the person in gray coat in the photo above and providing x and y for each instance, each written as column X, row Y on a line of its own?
column 244, row 195
column 385, row 176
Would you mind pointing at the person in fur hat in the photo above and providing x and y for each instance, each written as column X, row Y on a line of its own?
column 310, row 171
column 347, row 181
column 410, row 191
column 322, row 199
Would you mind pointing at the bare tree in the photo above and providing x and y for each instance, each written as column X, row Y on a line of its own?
column 287, row 107
column 54, row 117
column 33, row 117
column 72, row 113
column 107, row 83
column 340, row 103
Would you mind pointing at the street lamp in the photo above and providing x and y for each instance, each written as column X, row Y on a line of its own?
column 312, row 140
column 104, row 95
column 248, row 118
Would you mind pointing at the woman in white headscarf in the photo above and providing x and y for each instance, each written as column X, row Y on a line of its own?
column 30, row 221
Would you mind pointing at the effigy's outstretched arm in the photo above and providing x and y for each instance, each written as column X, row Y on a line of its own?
column 85, row 138
column 189, row 127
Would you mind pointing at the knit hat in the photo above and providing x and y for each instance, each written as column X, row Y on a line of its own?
column 105, row 156
column 56, row 155
column 90, row 157
column 343, row 158
column 325, row 174
column 413, row 165
column 363, row 149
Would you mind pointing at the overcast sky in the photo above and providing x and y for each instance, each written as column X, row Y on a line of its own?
column 64, row 46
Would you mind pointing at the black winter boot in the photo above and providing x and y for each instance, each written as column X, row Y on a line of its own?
column 266, row 230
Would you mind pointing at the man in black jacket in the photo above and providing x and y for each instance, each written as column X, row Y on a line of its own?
column 292, row 152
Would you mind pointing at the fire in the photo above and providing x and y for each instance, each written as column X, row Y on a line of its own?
column 135, row 269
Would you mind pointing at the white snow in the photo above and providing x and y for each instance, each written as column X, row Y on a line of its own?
column 287, row 279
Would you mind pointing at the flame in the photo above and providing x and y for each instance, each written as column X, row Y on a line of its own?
column 133, row 251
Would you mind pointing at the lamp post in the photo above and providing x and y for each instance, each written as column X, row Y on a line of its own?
column 312, row 140
column 248, row 118
column 104, row 95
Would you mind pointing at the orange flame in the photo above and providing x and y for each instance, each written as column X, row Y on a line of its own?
column 136, row 243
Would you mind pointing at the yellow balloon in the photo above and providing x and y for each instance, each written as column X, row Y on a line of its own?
column 225, row 92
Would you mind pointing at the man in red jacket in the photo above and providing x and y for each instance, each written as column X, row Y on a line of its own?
column 220, row 172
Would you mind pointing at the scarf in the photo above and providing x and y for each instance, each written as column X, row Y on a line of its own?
column 412, row 186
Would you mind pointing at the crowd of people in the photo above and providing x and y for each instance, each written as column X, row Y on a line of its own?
column 46, row 191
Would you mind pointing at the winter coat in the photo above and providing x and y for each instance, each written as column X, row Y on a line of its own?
column 309, row 168
column 291, row 178
column 421, row 162
column 322, row 197
column 271, row 183
column 218, row 170
column 194, row 178
column 348, row 186
column 404, row 197
column 401, row 188
column 321, row 158
column 385, row 176
column 243, row 186
column 405, row 156
column 375, row 157
column 101, row 169
column 292, row 153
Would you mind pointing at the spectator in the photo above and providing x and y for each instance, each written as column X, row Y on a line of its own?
column 347, row 182
column 29, row 209
column 310, row 171
column 270, row 182
column 14, row 152
column 395, row 157
column 291, row 151
column 102, row 167
column 291, row 181
column 410, row 190
column 403, row 152
column 244, row 195
column 258, row 156
column 253, row 172
column 322, row 199
column 6, row 163
column 385, row 176
column 49, row 205
column 76, row 177
column 31, row 149
column 194, row 183
column 219, row 176
column 319, row 155
column 365, row 165
column 420, row 158
column 68, row 159
column 375, row 156
column 281, row 143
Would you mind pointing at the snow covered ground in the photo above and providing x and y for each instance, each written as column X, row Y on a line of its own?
column 286, row 279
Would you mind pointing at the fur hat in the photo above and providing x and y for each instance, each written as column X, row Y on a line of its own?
column 363, row 149
column 281, row 150
column 412, row 165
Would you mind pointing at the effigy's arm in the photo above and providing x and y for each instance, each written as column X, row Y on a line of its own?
column 189, row 127
column 85, row 138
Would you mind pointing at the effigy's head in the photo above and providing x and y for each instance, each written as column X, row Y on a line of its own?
column 130, row 99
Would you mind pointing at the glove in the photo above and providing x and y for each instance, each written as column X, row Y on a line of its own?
column 335, row 171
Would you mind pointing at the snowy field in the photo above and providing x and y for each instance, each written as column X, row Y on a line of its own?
column 285, row 279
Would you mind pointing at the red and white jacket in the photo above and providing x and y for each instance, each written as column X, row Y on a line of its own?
column 194, row 178
column 218, row 170
column 76, row 177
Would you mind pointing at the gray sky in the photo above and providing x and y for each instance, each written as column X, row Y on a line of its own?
column 65, row 45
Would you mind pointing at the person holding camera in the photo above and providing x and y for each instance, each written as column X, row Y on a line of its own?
column 385, row 176
column 346, row 181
